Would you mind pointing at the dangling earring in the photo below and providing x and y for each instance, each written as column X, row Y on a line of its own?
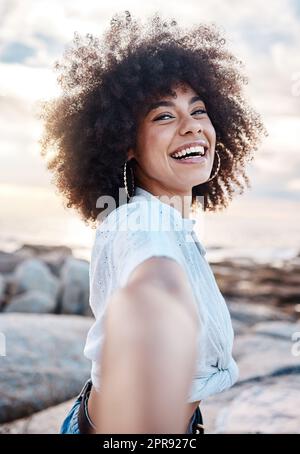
column 218, row 168
column 125, row 180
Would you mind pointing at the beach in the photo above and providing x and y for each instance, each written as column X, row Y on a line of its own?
column 45, row 316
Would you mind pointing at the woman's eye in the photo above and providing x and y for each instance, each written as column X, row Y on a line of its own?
column 162, row 116
column 200, row 110
column 167, row 115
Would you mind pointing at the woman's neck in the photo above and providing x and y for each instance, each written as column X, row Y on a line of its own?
column 181, row 202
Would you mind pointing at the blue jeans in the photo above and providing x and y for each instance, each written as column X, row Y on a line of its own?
column 70, row 423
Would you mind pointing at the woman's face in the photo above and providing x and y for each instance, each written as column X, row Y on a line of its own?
column 170, row 124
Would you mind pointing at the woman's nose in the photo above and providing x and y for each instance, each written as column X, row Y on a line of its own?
column 190, row 124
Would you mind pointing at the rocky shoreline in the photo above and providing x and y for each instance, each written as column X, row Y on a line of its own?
column 45, row 315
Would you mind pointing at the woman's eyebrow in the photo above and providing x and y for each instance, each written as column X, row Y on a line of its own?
column 157, row 104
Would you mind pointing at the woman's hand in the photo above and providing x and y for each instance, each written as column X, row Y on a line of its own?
column 149, row 352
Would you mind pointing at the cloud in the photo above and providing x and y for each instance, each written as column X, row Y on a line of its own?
column 26, row 83
column 294, row 185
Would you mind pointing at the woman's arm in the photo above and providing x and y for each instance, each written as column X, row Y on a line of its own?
column 149, row 352
column 170, row 277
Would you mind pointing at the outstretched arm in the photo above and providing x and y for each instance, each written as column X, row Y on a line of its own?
column 149, row 352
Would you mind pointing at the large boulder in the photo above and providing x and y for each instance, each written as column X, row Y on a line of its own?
column 33, row 301
column 9, row 261
column 278, row 329
column 274, row 283
column 47, row 421
column 75, row 287
column 259, row 355
column 32, row 274
column 252, row 313
column 53, row 256
column 2, row 289
column 44, row 363
column 269, row 407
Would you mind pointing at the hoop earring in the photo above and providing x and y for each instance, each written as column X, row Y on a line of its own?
column 125, row 180
column 217, row 170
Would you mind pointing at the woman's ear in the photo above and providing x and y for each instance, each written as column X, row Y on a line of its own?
column 130, row 154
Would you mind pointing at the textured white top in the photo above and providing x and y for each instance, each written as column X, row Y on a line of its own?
column 147, row 227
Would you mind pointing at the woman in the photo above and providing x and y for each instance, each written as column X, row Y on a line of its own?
column 158, row 110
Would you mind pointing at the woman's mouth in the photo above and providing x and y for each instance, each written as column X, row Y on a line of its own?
column 193, row 155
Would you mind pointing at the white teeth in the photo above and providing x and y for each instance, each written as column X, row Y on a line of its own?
column 188, row 151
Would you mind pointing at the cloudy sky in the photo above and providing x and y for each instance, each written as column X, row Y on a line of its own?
column 264, row 35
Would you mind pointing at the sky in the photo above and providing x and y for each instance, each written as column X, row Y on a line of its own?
column 264, row 35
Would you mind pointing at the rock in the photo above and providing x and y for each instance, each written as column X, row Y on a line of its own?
column 279, row 329
column 258, row 355
column 75, row 287
column 239, row 327
column 252, row 313
column 214, row 405
column 32, row 274
column 9, row 261
column 263, row 404
column 270, row 407
column 9, row 284
column 2, row 288
column 44, row 363
column 40, row 249
column 53, row 256
column 276, row 282
column 46, row 421
column 33, row 301
column 284, row 293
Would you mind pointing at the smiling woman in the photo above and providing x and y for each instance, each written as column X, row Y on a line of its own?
column 110, row 85
column 166, row 103
column 175, row 144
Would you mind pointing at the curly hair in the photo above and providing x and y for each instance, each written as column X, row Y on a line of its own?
column 107, row 85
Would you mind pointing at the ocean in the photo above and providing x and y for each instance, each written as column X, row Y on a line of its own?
column 265, row 229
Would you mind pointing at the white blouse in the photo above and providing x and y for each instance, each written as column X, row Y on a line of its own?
column 148, row 227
